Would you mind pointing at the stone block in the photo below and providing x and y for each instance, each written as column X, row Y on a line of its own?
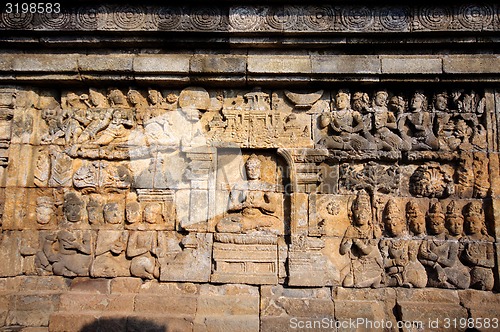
column 228, row 305
column 74, row 301
column 177, row 289
column 46, row 63
column 10, row 242
column 279, row 64
column 223, row 307
column 277, row 301
column 471, row 64
column 218, row 64
column 105, row 63
column 7, row 62
column 229, row 289
column 162, row 63
column 34, row 329
column 125, row 285
column 173, row 305
column 84, row 284
column 433, row 295
column 345, row 64
column 222, row 324
column 42, row 283
column 430, row 307
column 245, row 263
column 411, row 65
column 480, row 304
column 32, row 310
column 192, row 262
column 107, row 322
column 158, row 323
column 72, row 322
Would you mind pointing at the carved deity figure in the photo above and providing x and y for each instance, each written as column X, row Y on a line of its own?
column 256, row 210
column 384, row 124
column 75, row 116
column 142, row 246
column 360, row 242
column 445, row 123
column 53, row 118
column 346, row 126
column 117, row 128
column 99, row 116
column 439, row 254
column 139, row 104
column 478, row 253
column 110, row 260
column 400, row 261
column 67, row 252
column 417, row 125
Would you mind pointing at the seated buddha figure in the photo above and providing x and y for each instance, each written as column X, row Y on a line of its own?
column 255, row 208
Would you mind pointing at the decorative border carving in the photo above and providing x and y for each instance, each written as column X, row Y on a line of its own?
column 242, row 19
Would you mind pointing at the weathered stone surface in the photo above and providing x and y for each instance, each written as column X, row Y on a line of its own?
column 51, row 63
column 210, row 64
column 164, row 63
column 471, row 64
column 105, row 63
column 345, row 64
column 411, row 65
column 432, row 307
column 279, row 64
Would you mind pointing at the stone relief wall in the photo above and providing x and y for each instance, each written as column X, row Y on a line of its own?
column 359, row 188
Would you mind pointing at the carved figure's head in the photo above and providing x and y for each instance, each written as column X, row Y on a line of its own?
column 380, row 98
column 454, row 219
column 474, row 219
column 441, row 102
column 419, row 101
column 153, row 213
column 44, row 209
column 252, row 167
column 436, row 219
column 362, row 210
column 393, row 219
column 113, row 213
column 416, row 218
column 360, row 101
column 72, row 207
column 95, row 210
column 134, row 213
column 342, row 101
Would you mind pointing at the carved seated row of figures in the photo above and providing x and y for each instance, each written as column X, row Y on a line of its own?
column 388, row 124
column 381, row 124
column 403, row 255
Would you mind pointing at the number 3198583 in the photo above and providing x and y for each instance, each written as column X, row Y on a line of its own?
column 32, row 8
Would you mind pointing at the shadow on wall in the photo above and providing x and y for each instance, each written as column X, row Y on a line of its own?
column 125, row 325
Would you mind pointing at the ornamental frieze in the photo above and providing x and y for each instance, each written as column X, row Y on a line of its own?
column 242, row 19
